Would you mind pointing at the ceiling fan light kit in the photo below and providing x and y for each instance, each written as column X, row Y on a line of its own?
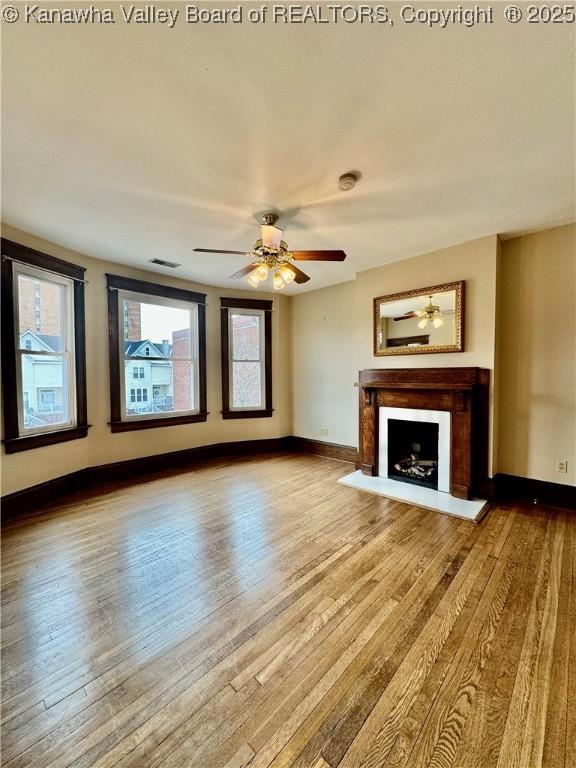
column 288, row 274
column 270, row 256
column 253, row 279
column 277, row 280
column 261, row 272
column 430, row 314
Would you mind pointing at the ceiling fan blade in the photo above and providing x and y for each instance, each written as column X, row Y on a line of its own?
column 212, row 250
column 407, row 316
column 318, row 255
column 301, row 277
column 271, row 236
column 244, row 271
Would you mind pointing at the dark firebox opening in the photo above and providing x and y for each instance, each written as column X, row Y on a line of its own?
column 413, row 452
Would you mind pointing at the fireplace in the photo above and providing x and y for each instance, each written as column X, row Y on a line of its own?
column 414, row 446
column 411, row 418
column 413, row 452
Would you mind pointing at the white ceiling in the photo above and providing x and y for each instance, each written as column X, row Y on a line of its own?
column 134, row 142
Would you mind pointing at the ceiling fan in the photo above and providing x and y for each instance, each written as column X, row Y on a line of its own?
column 270, row 256
column 431, row 313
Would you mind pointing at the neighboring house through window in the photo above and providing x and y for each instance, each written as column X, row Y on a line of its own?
column 161, row 345
column 44, row 370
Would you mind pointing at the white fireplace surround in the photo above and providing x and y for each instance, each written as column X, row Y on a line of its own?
column 442, row 418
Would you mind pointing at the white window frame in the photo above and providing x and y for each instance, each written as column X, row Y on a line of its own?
column 67, row 354
column 261, row 314
column 147, row 298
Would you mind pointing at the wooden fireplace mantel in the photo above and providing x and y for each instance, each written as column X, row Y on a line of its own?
column 464, row 392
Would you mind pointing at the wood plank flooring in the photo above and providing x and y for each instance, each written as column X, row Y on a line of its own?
column 253, row 612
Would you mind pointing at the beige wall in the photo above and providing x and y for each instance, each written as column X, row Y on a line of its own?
column 24, row 469
column 537, row 355
column 324, row 364
column 332, row 333
column 520, row 323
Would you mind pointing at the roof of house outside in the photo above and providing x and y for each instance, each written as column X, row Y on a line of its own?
column 131, row 348
column 51, row 343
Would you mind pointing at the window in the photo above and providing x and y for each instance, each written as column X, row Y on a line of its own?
column 246, row 346
column 138, row 395
column 48, row 396
column 44, row 370
column 166, row 338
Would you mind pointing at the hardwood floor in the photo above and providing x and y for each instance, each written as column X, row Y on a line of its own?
column 256, row 613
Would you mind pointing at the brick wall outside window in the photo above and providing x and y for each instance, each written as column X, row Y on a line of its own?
column 42, row 314
column 182, row 373
column 134, row 321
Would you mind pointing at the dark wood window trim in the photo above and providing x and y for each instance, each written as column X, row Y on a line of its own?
column 116, row 283
column 266, row 306
column 13, row 440
column 154, row 289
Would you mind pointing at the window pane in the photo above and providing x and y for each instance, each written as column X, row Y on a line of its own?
column 164, row 386
column 246, row 385
column 44, row 391
column 245, row 337
column 152, row 330
column 40, row 314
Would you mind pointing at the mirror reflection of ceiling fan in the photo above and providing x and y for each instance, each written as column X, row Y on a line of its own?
column 271, row 257
column 431, row 313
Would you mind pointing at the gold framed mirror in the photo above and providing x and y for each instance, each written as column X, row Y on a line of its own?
column 420, row 322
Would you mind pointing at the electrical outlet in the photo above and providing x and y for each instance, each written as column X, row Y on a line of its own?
column 562, row 466
column 323, row 431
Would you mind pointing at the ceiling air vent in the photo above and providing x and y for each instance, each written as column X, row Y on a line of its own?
column 162, row 263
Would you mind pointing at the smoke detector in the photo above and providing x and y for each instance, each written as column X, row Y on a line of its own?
column 348, row 181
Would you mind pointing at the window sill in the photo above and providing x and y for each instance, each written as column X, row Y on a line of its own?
column 259, row 414
column 27, row 442
column 130, row 426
